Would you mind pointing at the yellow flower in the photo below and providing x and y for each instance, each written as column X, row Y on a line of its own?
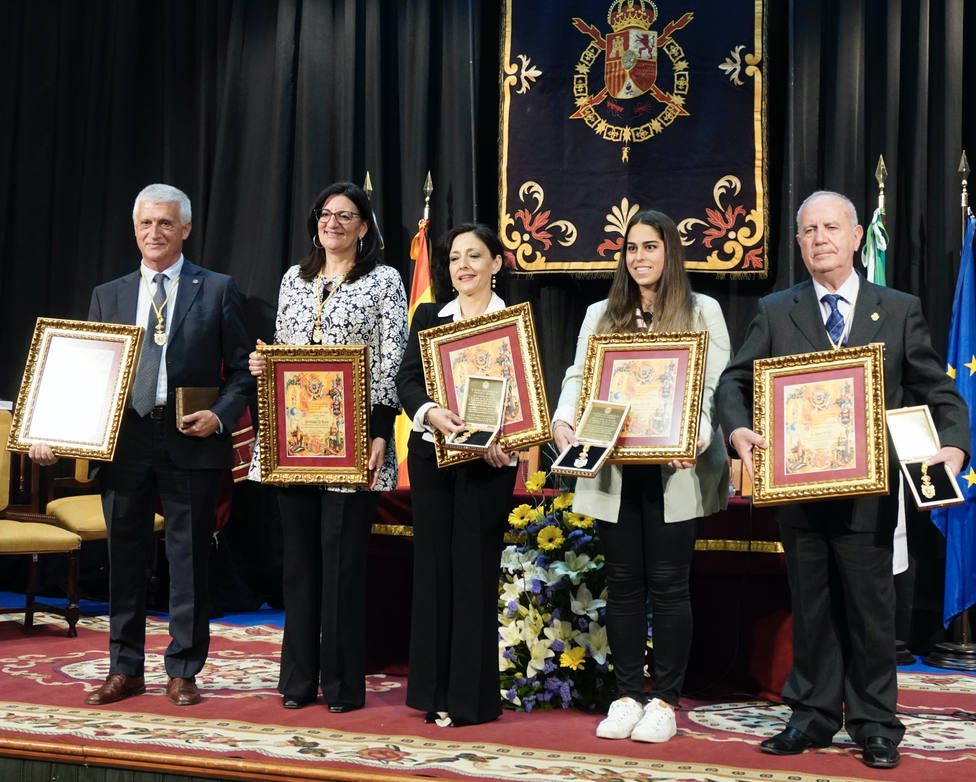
column 564, row 500
column 577, row 520
column 550, row 538
column 535, row 482
column 521, row 516
column 573, row 659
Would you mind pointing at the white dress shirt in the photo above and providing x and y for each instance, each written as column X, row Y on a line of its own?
column 144, row 305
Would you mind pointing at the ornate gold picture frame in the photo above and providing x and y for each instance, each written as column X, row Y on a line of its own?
column 500, row 344
column 662, row 376
column 823, row 417
column 75, row 386
column 313, row 414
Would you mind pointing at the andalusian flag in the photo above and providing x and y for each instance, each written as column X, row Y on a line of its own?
column 420, row 292
column 875, row 244
column 958, row 523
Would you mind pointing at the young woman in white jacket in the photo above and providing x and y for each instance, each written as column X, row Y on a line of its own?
column 647, row 514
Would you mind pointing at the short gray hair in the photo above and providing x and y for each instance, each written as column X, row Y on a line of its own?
column 164, row 194
column 849, row 205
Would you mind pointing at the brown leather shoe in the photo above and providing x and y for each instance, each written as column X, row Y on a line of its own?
column 182, row 692
column 116, row 687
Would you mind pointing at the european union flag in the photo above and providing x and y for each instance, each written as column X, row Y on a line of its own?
column 958, row 523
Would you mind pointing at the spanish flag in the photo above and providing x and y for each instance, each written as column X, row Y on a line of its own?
column 420, row 292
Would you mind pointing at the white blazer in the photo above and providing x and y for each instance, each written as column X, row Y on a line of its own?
column 688, row 494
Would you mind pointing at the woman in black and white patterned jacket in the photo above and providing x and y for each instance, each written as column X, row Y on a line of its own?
column 339, row 295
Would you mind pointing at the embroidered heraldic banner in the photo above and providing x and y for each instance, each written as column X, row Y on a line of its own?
column 611, row 107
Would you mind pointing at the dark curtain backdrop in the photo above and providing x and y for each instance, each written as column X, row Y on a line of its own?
column 251, row 106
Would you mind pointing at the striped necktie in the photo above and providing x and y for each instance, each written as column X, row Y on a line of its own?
column 147, row 371
column 835, row 321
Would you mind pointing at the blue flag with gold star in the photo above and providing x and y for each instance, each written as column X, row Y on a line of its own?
column 958, row 523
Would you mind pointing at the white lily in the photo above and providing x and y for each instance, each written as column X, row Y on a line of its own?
column 559, row 630
column 510, row 634
column 595, row 642
column 532, row 626
column 584, row 604
column 573, row 565
column 513, row 560
column 511, row 590
column 540, row 651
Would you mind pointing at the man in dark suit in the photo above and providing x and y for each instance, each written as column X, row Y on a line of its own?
column 839, row 552
column 195, row 337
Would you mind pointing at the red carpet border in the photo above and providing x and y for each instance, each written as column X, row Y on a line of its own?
column 43, row 678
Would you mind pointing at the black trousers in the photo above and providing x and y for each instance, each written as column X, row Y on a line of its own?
column 459, row 520
column 140, row 472
column 325, row 535
column 843, row 597
column 647, row 557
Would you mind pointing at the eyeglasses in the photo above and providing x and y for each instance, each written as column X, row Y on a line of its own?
column 344, row 218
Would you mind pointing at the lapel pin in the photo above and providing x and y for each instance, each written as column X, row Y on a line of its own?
column 875, row 316
column 197, row 282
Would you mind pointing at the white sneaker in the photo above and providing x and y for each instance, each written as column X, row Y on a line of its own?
column 657, row 724
column 623, row 715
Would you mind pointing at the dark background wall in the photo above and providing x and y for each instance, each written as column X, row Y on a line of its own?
column 251, row 106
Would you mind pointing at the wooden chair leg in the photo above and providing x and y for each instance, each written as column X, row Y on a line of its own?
column 71, row 613
column 31, row 594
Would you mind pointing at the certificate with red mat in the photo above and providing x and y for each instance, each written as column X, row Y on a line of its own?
column 822, row 415
column 496, row 344
column 313, row 403
column 661, row 375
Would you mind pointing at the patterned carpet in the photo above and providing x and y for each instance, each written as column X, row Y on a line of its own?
column 43, row 678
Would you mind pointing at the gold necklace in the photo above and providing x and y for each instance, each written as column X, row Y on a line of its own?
column 159, row 332
column 317, row 326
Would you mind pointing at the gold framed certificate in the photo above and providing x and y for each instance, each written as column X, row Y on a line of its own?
column 597, row 431
column 496, row 344
column 915, row 439
column 661, row 375
column 313, row 413
column 482, row 411
column 76, row 382
column 823, row 417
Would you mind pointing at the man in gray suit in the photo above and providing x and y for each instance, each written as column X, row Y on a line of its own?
column 195, row 337
column 839, row 552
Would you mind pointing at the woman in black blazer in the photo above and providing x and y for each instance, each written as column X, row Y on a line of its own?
column 459, row 512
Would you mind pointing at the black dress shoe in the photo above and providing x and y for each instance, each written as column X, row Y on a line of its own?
column 294, row 702
column 789, row 742
column 880, row 752
column 342, row 708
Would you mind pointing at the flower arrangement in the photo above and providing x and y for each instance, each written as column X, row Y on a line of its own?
column 552, row 637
